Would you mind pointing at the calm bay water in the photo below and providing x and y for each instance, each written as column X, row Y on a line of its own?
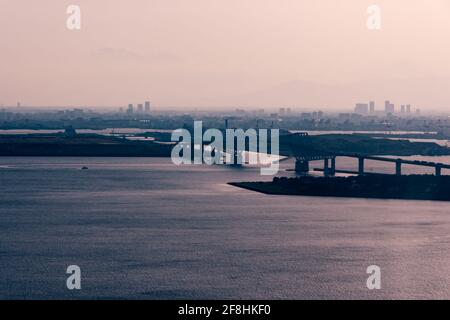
column 144, row 228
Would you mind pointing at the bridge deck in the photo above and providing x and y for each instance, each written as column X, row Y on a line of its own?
column 402, row 161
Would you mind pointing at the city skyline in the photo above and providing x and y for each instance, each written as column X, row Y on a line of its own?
column 369, row 108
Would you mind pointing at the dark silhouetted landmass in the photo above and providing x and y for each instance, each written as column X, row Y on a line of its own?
column 414, row 187
column 82, row 145
column 66, row 144
column 360, row 144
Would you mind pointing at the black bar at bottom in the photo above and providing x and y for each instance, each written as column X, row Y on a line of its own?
column 221, row 309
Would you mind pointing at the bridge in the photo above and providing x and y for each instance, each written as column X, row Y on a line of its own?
column 302, row 163
column 398, row 163
column 304, row 154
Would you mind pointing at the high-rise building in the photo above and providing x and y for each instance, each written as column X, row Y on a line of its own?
column 389, row 107
column 147, row 106
column 372, row 106
column 130, row 109
column 140, row 108
column 402, row 109
column 362, row 108
column 408, row 108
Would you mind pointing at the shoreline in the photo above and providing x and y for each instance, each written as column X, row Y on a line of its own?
column 408, row 187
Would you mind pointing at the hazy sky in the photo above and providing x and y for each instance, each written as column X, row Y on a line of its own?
column 211, row 53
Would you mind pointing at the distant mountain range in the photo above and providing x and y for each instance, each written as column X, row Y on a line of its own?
column 425, row 93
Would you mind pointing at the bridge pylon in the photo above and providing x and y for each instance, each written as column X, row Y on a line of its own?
column 301, row 166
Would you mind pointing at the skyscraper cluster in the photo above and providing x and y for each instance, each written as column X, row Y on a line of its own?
column 365, row 108
column 389, row 108
column 140, row 109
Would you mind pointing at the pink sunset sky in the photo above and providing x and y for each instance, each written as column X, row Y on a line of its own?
column 214, row 54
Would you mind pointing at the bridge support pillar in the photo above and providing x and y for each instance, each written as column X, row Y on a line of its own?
column 333, row 167
column 438, row 171
column 301, row 166
column 361, row 166
column 398, row 168
column 326, row 169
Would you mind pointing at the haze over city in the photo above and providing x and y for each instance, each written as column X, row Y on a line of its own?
column 209, row 54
